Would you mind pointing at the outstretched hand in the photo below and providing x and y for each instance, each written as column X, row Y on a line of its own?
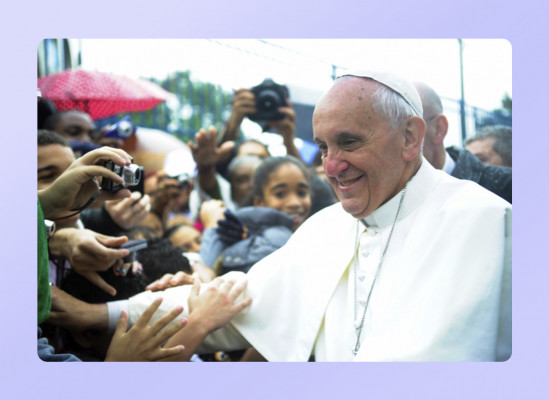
column 215, row 305
column 143, row 342
column 205, row 152
column 170, row 280
column 129, row 212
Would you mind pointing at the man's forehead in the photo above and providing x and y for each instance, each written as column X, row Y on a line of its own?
column 76, row 118
column 403, row 87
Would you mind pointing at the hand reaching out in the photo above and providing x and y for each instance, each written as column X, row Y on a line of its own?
column 129, row 212
column 143, row 342
column 215, row 305
column 88, row 252
column 171, row 280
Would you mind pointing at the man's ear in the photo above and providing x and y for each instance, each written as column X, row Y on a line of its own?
column 441, row 129
column 414, row 131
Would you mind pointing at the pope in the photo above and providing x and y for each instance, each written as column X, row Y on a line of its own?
column 411, row 264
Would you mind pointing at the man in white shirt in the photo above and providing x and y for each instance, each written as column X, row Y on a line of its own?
column 411, row 264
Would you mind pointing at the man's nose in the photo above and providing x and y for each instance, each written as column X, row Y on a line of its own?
column 334, row 164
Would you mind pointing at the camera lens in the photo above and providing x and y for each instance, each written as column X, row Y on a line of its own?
column 132, row 175
column 268, row 101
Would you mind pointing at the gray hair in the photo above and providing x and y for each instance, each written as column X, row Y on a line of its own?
column 392, row 106
column 241, row 160
column 503, row 140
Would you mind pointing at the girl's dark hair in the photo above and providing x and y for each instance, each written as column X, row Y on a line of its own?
column 264, row 171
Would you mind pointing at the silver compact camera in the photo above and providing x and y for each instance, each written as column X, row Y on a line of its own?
column 133, row 176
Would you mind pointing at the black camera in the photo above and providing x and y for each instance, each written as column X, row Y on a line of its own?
column 269, row 96
column 133, row 175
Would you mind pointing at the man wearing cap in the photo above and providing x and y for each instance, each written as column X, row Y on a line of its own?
column 411, row 264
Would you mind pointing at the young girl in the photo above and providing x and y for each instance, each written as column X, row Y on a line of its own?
column 278, row 203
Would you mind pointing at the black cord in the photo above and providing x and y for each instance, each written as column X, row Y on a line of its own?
column 79, row 210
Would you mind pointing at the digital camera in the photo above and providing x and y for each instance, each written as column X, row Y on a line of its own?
column 133, row 175
column 269, row 96
column 122, row 130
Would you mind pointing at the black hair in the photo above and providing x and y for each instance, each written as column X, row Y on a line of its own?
column 52, row 121
column 162, row 257
column 47, row 137
column 81, row 288
column 45, row 110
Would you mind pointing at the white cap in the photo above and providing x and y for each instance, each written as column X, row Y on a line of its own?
column 402, row 86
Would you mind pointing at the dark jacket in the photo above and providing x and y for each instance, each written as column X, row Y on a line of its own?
column 268, row 230
column 495, row 178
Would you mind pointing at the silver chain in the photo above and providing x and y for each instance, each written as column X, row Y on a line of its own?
column 355, row 268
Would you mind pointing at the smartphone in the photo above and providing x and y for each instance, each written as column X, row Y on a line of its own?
column 133, row 246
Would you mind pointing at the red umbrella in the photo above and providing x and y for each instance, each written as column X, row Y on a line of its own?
column 100, row 94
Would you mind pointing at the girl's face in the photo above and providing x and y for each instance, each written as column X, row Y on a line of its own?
column 187, row 237
column 287, row 190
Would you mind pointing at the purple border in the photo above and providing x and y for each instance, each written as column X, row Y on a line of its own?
column 23, row 376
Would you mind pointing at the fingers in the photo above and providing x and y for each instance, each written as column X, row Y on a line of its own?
column 145, row 318
column 170, row 352
column 94, row 278
column 165, row 320
column 111, row 241
column 161, row 283
column 118, row 156
column 136, row 268
column 181, row 278
column 195, row 290
column 122, row 324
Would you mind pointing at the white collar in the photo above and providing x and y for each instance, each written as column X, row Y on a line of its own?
column 449, row 164
column 419, row 187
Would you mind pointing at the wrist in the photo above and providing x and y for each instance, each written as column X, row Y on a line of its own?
column 96, row 316
column 199, row 325
column 59, row 243
column 44, row 196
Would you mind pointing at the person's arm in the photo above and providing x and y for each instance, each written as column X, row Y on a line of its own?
column 286, row 128
column 206, row 154
column 243, row 104
column 143, row 342
column 210, row 308
column 78, row 184
column 72, row 314
column 130, row 212
column 88, row 252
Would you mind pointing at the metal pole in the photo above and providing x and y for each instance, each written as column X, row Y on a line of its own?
column 462, row 100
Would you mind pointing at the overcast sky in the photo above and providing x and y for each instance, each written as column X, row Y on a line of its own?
column 307, row 62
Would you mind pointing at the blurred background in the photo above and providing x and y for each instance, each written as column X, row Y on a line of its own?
column 472, row 76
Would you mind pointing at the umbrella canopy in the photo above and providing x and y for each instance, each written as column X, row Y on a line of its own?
column 100, row 94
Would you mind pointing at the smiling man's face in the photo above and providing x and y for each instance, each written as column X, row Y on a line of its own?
column 361, row 152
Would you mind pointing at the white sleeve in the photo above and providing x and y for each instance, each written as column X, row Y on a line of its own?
column 225, row 338
column 114, row 309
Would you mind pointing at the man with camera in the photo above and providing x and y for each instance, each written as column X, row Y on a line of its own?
column 269, row 105
column 69, row 192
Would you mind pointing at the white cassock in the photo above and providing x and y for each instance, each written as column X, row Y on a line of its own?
column 443, row 292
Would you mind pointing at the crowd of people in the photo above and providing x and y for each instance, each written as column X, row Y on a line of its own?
column 389, row 247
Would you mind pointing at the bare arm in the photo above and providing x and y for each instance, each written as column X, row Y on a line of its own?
column 209, row 309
